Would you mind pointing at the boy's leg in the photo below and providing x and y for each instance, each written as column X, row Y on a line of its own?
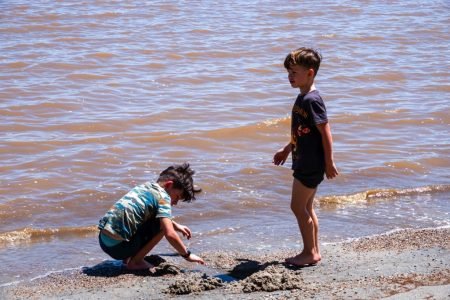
column 137, row 262
column 312, row 213
column 301, row 197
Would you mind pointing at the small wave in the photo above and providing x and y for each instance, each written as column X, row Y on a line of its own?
column 37, row 107
column 70, row 39
column 277, row 121
column 219, row 231
column 85, row 76
column 47, row 274
column 249, row 129
column 55, row 272
column 101, row 55
column 62, row 66
column 174, row 56
column 386, row 117
column 29, row 235
column 377, row 194
column 201, row 31
column 368, row 38
column 157, row 66
column 105, row 15
column 260, row 71
column 291, row 15
column 16, row 65
column 224, row 54
column 437, row 88
column 10, row 283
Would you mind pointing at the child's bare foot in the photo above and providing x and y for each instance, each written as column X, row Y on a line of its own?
column 303, row 259
column 141, row 265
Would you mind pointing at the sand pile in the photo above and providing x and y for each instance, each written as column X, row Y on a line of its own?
column 194, row 284
column 272, row 279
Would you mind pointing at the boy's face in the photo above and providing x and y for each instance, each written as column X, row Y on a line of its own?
column 175, row 195
column 300, row 76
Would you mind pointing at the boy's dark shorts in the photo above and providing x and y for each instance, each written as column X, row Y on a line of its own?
column 310, row 180
column 128, row 249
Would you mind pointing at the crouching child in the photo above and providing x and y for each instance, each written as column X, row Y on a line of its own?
column 140, row 219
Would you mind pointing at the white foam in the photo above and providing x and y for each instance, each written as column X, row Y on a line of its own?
column 55, row 272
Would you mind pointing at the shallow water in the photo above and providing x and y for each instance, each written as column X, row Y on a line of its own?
column 98, row 97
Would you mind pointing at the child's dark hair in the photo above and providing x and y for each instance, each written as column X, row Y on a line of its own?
column 305, row 57
column 181, row 175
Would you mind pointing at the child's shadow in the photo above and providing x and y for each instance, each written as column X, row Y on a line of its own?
column 248, row 267
column 114, row 268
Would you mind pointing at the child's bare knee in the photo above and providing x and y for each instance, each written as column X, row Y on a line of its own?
column 299, row 211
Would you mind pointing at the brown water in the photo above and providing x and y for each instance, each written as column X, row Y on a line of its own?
column 98, row 96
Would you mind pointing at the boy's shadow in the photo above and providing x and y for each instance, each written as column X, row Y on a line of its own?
column 248, row 267
column 114, row 268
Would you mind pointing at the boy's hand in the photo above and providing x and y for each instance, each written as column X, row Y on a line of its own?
column 331, row 171
column 280, row 157
column 195, row 258
column 185, row 231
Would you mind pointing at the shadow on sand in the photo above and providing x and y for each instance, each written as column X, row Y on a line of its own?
column 114, row 268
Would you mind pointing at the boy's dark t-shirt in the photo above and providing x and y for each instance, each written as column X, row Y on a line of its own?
column 307, row 153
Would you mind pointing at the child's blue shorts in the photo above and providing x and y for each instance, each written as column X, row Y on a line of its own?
column 128, row 249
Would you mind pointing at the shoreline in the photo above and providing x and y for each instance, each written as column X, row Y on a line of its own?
column 399, row 264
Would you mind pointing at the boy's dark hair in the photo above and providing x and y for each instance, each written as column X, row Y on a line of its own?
column 181, row 175
column 305, row 57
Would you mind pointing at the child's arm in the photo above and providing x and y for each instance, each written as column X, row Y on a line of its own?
column 327, row 142
column 183, row 229
column 280, row 157
column 173, row 238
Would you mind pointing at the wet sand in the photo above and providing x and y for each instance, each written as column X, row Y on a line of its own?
column 400, row 265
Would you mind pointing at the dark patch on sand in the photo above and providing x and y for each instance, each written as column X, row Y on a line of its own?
column 114, row 268
column 246, row 267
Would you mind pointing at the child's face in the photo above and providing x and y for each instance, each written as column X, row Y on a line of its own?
column 175, row 195
column 299, row 76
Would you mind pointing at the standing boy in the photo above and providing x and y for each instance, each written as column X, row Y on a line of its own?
column 311, row 147
column 139, row 220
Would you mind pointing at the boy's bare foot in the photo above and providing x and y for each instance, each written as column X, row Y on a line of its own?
column 142, row 265
column 303, row 259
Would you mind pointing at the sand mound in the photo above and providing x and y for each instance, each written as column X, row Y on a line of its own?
column 272, row 279
column 165, row 269
column 194, row 284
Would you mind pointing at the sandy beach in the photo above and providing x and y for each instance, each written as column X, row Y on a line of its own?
column 100, row 96
column 406, row 264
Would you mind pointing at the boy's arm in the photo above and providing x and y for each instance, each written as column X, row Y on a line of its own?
column 327, row 142
column 176, row 242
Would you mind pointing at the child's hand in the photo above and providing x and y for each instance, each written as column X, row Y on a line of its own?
column 195, row 258
column 331, row 171
column 184, row 230
column 280, row 157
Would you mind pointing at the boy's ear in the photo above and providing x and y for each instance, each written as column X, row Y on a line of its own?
column 311, row 72
column 168, row 184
